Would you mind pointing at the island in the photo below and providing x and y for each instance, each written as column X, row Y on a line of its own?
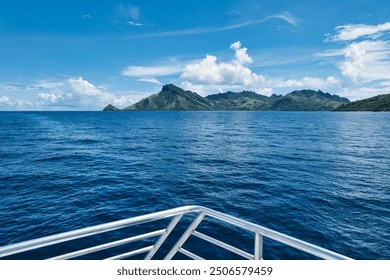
column 379, row 103
column 172, row 97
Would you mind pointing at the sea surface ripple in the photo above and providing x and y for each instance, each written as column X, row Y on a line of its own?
column 323, row 177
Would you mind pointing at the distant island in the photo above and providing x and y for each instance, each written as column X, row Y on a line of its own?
column 175, row 98
column 379, row 103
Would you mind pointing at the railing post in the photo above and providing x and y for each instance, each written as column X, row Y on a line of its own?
column 185, row 236
column 162, row 238
column 258, row 253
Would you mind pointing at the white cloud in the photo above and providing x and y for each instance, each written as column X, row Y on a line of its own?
column 83, row 87
column 150, row 80
column 7, row 103
column 352, row 32
column 210, row 71
column 49, row 97
column 137, row 23
column 287, row 17
column 210, row 75
column 236, row 45
column 4, row 99
column 364, row 61
column 87, row 94
column 148, row 74
column 72, row 94
column 367, row 61
column 151, row 71
column 310, row 82
column 39, row 84
column 47, row 84
column 241, row 53
column 387, row 84
column 283, row 16
column 354, row 61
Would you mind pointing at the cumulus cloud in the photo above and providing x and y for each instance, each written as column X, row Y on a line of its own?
column 354, row 61
column 352, row 32
column 49, row 97
column 211, row 71
column 366, row 61
column 72, row 94
column 7, row 103
column 241, row 54
column 87, row 93
column 209, row 75
column 84, row 87
column 365, row 58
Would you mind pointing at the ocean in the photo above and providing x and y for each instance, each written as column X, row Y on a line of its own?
column 323, row 177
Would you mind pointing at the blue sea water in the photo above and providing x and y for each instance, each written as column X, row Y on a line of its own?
column 323, row 177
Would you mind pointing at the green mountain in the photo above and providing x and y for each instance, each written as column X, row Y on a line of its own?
column 246, row 100
column 111, row 108
column 379, row 103
column 172, row 97
column 308, row 100
column 303, row 100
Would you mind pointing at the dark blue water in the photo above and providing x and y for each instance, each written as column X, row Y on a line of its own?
column 319, row 176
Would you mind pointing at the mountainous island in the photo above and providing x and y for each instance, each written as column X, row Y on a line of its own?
column 172, row 97
column 379, row 103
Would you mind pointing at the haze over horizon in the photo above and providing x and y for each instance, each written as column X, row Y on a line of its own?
column 83, row 55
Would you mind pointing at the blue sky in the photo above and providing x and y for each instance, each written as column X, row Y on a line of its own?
column 83, row 55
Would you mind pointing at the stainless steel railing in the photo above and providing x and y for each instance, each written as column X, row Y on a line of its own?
column 176, row 215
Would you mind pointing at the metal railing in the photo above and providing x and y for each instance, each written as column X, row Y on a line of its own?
column 176, row 215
